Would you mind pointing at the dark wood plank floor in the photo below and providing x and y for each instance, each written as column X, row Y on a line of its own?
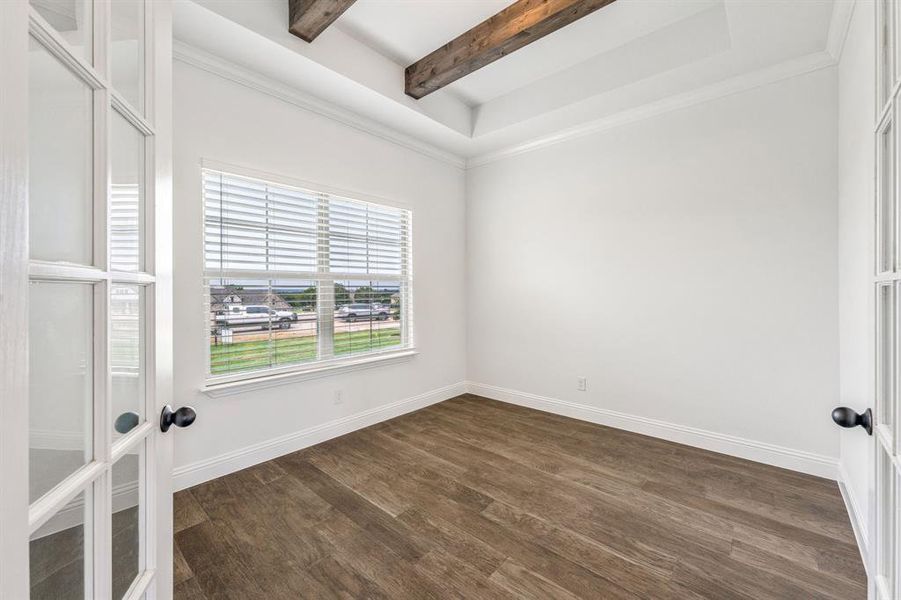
column 473, row 498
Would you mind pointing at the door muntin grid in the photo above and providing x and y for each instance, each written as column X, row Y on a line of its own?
column 90, row 496
column 887, row 287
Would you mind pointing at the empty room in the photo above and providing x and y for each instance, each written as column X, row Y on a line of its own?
column 426, row 299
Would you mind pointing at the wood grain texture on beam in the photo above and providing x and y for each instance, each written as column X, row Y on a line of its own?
column 308, row 18
column 516, row 26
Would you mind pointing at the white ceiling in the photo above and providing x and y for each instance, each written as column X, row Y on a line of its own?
column 629, row 54
column 406, row 30
column 384, row 26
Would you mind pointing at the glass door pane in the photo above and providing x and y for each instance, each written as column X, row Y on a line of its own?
column 60, row 553
column 60, row 143
column 127, row 339
column 126, row 50
column 72, row 19
column 61, row 363
column 886, row 200
column 126, row 195
column 129, row 301
column 887, row 49
column 885, row 522
column 885, row 371
column 127, row 521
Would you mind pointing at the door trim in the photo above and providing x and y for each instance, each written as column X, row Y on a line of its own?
column 159, row 259
column 13, row 299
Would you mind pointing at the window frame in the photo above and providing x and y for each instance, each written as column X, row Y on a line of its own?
column 226, row 384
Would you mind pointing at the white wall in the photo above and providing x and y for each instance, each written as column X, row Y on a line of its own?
column 856, row 166
column 223, row 121
column 685, row 264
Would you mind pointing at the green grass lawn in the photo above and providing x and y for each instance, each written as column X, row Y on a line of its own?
column 227, row 358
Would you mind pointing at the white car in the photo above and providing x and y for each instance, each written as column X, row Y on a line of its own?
column 365, row 312
column 256, row 315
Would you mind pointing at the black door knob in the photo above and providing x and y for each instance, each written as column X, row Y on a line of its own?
column 183, row 417
column 846, row 417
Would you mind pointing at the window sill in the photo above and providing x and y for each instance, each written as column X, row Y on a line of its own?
column 216, row 389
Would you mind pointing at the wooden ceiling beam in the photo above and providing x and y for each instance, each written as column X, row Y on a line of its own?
column 308, row 18
column 516, row 26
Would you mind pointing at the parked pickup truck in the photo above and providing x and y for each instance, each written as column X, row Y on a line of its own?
column 256, row 315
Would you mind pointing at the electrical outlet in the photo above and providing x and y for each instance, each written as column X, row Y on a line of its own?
column 339, row 397
column 582, row 384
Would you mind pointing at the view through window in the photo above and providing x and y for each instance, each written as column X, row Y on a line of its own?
column 295, row 278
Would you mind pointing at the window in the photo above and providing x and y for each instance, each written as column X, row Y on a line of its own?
column 298, row 280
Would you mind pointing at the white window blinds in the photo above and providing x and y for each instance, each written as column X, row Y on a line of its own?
column 298, row 276
column 365, row 238
column 252, row 225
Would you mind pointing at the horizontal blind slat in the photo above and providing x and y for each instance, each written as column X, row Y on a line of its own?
column 253, row 225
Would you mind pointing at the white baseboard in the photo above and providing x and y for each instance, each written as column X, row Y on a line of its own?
column 762, row 452
column 72, row 514
column 857, row 522
column 49, row 439
column 204, row 470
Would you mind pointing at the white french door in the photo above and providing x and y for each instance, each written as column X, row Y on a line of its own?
column 887, row 280
column 85, row 299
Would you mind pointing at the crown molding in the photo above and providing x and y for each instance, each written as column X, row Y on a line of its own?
column 842, row 11
column 205, row 61
column 806, row 64
column 742, row 83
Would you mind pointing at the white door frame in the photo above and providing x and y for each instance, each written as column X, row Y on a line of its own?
column 885, row 553
column 13, row 299
column 159, row 491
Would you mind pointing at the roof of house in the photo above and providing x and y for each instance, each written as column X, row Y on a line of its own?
column 218, row 297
